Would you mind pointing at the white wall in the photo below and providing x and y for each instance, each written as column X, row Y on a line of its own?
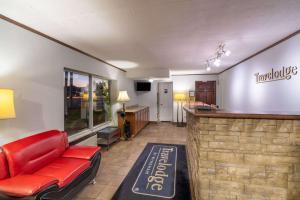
column 180, row 83
column 149, row 99
column 33, row 66
column 240, row 92
column 187, row 83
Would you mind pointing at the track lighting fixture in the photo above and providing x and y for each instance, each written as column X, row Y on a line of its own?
column 216, row 59
column 227, row 53
column 208, row 68
column 217, row 62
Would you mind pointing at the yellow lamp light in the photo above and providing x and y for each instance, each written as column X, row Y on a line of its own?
column 180, row 96
column 7, row 108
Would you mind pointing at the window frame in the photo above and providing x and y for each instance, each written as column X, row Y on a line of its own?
column 91, row 125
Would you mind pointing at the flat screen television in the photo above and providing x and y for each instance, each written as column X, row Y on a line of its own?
column 143, row 86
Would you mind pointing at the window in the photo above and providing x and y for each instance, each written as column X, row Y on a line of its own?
column 101, row 101
column 77, row 105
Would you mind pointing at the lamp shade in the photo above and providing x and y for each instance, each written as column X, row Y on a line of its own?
column 7, row 108
column 123, row 96
column 180, row 96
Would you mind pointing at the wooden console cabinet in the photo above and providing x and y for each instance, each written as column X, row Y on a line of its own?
column 138, row 117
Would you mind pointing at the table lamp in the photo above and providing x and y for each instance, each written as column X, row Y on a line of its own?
column 7, row 108
column 122, row 98
column 180, row 97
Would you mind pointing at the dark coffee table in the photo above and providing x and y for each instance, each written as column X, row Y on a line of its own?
column 108, row 135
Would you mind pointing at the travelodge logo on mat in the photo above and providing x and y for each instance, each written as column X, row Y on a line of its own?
column 158, row 175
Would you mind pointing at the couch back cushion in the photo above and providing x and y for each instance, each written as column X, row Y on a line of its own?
column 30, row 154
column 3, row 166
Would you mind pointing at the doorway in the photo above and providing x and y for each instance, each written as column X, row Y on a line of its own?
column 205, row 92
column 165, row 101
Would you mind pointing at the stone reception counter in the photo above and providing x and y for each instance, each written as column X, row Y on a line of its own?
column 243, row 156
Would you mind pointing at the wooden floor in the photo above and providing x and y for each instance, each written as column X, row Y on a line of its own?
column 117, row 162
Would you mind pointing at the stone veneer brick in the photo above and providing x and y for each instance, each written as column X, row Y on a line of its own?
column 244, row 159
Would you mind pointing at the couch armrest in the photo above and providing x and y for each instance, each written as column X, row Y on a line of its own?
column 82, row 152
column 25, row 185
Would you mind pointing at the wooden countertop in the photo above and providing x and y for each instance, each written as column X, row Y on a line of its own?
column 133, row 109
column 244, row 115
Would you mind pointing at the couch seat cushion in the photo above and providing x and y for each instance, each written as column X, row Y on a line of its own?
column 83, row 152
column 64, row 169
column 25, row 185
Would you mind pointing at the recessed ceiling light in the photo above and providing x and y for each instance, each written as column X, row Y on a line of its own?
column 123, row 64
column 150, row 80
column 208, row 69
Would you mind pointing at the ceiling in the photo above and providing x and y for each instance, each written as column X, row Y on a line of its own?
column 179, row 35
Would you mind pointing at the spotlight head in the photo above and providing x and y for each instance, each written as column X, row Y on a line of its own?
column 217, row 62
column 227, row 53
column 150, row 80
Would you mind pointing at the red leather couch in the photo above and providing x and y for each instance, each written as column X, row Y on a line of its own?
column 44, row 166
